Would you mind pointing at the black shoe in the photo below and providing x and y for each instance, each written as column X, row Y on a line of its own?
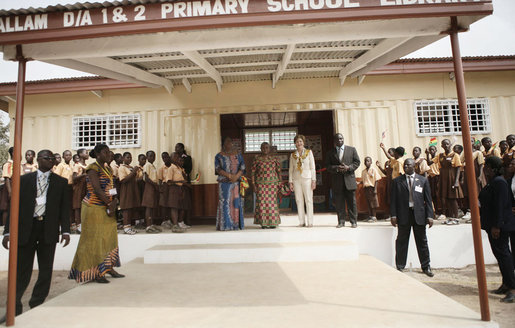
column 427, row 271
column 340, row 225
column 501, row 290
column 354, row 225
column 510, row 298
column 115, row 274
column 102, row 280
column 400, row 269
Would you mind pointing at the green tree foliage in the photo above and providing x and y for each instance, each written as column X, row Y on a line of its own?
column 4, row 142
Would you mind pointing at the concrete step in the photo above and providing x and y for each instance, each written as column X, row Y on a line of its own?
column 318, row 251
column 292, row 220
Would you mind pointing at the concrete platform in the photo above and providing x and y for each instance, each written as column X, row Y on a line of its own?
column 362, row 293
column 248, row 253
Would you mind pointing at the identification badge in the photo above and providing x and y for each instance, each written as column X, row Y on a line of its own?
column 41, row 200
column 112, row 192
column 449, row 158
column 418, row 188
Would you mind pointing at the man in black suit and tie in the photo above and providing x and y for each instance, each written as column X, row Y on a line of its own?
column 341, row 162
column 411, row 207
column 44, row 214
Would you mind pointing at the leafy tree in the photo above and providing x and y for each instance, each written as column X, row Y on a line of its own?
column 4, row 141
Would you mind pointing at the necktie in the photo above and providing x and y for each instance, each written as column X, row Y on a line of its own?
column 410, row 185
column 42, row 186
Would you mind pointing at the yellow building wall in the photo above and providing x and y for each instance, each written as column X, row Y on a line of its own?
column 361, row 112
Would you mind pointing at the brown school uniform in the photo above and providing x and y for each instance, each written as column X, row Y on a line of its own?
column 397, row 167
column 66, row 171
column 506, row 160
column 177, row 196
column 163, row 187
column 79, row 186
column 492, row 152
column 28, row 168
column 434, row 179
column 129, row 192
column 369, row 178
column 446, row 164
column 388, row 169
column 150, row 197
column 7, row 173
column 421, row 166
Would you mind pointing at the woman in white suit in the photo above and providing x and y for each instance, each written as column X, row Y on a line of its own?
column 302, row 178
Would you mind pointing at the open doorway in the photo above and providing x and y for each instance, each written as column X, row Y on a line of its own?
column 249, row 130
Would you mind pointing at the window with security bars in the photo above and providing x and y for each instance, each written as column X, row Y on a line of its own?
column 118, row 131
column 280, row 138
column 442, row 117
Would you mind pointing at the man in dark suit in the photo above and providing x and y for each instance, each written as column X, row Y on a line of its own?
column 341, row 162
column 44, row 214
column 411, row 207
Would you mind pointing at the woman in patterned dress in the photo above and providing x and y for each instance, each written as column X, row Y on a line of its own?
column 266, row 172
column 229, row 167
column 97, row 252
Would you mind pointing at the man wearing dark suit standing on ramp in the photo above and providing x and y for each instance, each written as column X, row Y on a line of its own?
column 411, row 207
column 341, row 162
column 44, row 214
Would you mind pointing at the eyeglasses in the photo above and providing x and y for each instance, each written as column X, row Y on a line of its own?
column 47, row 158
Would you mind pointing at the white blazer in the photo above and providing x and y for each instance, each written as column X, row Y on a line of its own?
column 308, row 167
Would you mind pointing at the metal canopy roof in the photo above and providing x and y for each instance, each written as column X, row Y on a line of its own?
column 341, row 48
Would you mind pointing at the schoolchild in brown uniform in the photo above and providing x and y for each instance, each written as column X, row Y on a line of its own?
column 65, row 170
column 187, row 166
column 58, row 160
column 129, row 194
column 449, row 189
column 79, row 187
column 369, row 178
column 434, row 179
column 421, row 166
column 503, row 147
column 5, row 193
column 463, row 203
column 387, row 171
column 508, row 155
column 164, row 211
column 140, row 211
column 176, row 202
column 488, row 149
column 150, row 199
column 396, row 161
column 29, row 166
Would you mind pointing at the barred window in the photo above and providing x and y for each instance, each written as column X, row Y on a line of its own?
column 442, row 117
column 280, row 138
column 118, row 131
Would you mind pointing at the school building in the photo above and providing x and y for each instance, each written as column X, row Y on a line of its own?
column 194, row 71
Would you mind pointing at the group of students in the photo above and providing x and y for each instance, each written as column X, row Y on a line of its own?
column 145, row 193
column 445, row 172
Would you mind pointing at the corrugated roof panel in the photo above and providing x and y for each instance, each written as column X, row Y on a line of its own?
column 248, row 69
column 244, row 59
column 309, row 75
column 246, row 78
column 166, row 64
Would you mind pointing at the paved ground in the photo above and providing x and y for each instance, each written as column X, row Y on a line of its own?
column 270, row 294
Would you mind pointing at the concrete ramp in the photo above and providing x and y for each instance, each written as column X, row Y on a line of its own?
column 358, row 293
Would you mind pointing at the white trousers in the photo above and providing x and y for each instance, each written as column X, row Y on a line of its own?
column 304, row 194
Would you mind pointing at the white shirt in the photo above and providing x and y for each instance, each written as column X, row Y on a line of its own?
column 411, row 204
column 513, row 186
column 44, row 176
